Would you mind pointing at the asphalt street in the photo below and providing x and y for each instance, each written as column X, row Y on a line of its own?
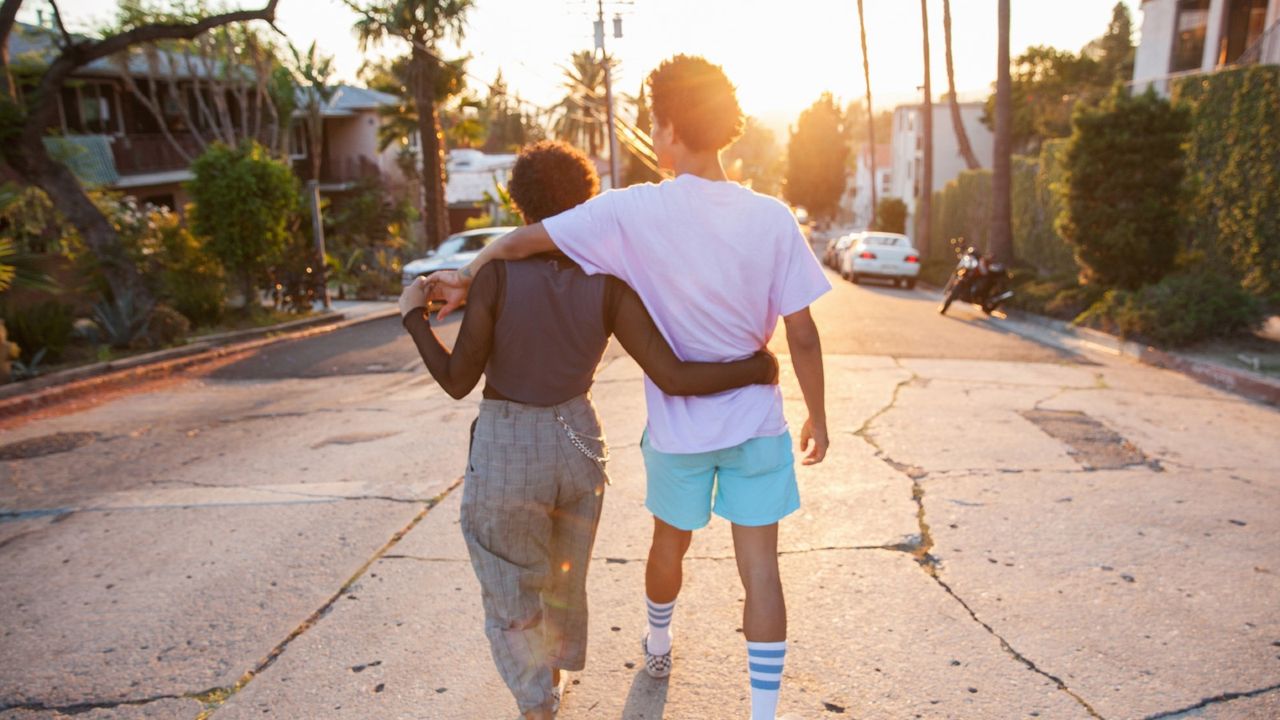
column 1003, row 529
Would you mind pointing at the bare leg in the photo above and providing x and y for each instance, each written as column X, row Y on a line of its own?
column 764, row 616
column 664, row 573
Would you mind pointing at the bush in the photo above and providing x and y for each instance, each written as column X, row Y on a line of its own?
column 46, row 326
column 1234, row 152
column 192, row 280
column 1036, row 206
column 1122, row 185
column 891, row 216
column 1181, row 309
column 166, row 327
column 245, row 202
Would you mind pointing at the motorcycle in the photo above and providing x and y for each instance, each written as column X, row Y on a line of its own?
column 978, row 280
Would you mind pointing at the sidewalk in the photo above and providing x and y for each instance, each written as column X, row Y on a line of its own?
column 45, row 390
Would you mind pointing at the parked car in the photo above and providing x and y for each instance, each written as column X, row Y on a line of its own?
column 835, row 248
column 456, row 250
column 887, row 256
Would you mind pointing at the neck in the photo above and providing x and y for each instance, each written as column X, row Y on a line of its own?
column 705, row 165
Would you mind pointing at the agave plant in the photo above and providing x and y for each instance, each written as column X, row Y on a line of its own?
column 123, row 319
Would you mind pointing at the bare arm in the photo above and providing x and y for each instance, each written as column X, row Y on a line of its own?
column 452, row 286
column 640, row 337
column 806, row 358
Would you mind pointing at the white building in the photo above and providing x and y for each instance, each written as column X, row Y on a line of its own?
column 861, row 185
column 907, row 148
column 1185, row 37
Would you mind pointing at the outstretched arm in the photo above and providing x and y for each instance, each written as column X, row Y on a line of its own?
column 640, row 337
column 452, row 286
column 459, row 371
column 806, row 357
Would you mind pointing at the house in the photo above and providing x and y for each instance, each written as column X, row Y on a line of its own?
column 861, row 183
column 136, row 124
column 907, row 150
column 472, row 185
column 1186, row 37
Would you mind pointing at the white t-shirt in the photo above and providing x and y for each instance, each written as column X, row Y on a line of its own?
column 716, row 265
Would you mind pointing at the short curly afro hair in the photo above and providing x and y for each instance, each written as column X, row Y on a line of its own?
column 697, row 99
column 550, row 177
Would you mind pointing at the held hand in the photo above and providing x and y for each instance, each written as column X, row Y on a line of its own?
column 813, row 442
column 450, row 287
column 414, row 296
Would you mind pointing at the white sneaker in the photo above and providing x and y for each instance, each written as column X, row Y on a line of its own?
column 657, row 666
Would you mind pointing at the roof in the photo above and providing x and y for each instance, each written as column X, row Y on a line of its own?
column 28, row 43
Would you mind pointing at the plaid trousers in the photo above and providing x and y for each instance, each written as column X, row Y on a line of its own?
column 531, row 502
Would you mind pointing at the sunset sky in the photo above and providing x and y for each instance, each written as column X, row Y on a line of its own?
column 781, row 55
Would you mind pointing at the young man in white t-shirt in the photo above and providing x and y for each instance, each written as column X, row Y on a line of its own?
column 717, row 265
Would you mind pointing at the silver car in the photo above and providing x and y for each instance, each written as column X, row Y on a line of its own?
column 456, row 250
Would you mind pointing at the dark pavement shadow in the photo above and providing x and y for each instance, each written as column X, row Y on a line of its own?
column 647, row 698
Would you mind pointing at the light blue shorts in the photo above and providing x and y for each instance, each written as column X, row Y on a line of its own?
column 751, row 484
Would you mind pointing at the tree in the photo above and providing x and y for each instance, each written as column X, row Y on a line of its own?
column 891, row 216
column 244, row 202
column 425, row 25
column 871, row 120
column 314, row 73
column 1002, row 162
column 24, row 123
column 962, row 137
column 924, row 208
column 816, row 159
column 638, row 170
column 1124, row 168
column 1114, row 51
column 755, row 159
column 581, row 117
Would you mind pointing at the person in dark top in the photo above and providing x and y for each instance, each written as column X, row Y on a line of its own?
column 534, row 485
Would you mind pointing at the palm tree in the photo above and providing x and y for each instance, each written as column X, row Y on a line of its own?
column 962, row 137
column 425, row 25
column 313, row 73
column 924, row 208
column 871, row 116
column 1001, row 185
column 580, row 118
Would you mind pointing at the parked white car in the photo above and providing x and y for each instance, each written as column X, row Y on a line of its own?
column 887, row 256
column 456, row 250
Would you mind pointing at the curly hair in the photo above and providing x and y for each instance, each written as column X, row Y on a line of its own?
column 550, row 177
column 697, row 99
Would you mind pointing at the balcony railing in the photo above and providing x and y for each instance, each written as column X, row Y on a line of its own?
column 348, row 169
column 1265, row 50
column 142, row 154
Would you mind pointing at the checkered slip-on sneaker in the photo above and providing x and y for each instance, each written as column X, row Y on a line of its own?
column 658, row 666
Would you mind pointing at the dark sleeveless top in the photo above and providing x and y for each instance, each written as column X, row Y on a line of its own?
column 550, row 332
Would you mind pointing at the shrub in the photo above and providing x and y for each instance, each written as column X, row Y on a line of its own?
column 1234, row 152
column 192, row 280
column 166, row 327
column 45, row 326
column 962, row 212
column 1122, row 185
column 891, row 215
column 1181, row 309
column 245, row 203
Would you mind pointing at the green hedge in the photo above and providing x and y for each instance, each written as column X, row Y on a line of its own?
column 1233, row 155
column 1181, row 309
column 963, row 210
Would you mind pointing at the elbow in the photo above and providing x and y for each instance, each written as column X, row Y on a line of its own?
column 456, row 392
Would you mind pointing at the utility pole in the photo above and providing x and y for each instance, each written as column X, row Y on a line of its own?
column 614, row 172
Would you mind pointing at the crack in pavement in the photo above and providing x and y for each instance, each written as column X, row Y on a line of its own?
column 294, row 493
column 908, row 545
column 91, row 705
column 216, row 700
column 1224, row 697
column 920, row 550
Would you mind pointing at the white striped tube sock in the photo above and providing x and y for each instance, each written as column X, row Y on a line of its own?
column 659, row 626
column 764, row 661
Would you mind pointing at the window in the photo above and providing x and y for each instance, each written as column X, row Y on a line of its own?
column 1246, row 19
column 1189, row 31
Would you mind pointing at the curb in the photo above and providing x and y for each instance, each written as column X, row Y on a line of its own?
column 1241, row 382
column 69, row 384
